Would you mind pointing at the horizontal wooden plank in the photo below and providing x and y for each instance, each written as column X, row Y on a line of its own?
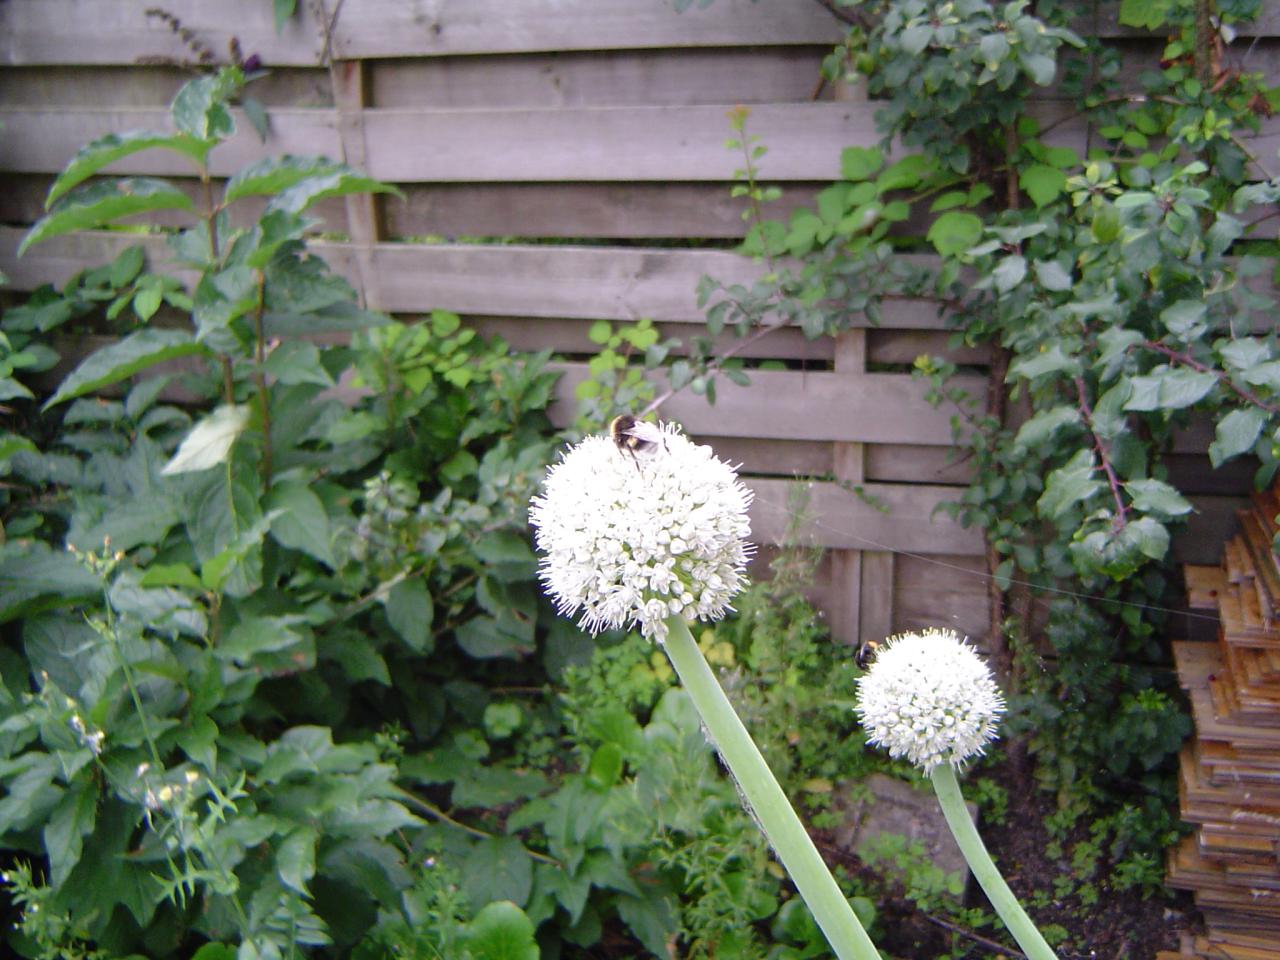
column 905, row 519
column 571, row 78
column 149, row 85
column 549, row 281
column 793, row 405
column 102, row 31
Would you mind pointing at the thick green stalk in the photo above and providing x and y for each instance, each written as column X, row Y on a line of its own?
column 984, row 869
column 772, row 810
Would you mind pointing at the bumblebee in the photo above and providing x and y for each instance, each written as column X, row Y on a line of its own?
column 866, row 653
column 636, row 437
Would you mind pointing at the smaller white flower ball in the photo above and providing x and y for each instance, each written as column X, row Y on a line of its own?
column 630, row 540
column 929, row 697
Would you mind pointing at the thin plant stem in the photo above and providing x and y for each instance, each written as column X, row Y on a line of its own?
column 768, row 803
column 951, row 800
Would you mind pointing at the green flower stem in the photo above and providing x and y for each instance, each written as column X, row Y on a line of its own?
column 980, row 862
column 772, row 810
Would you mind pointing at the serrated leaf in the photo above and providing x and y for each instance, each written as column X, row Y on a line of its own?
column 410, row 612
column 210, row 440
column 906, row 173
column 501, row 931
column 111, row 364
column 297, row 361
column 1042, row 183
column 1183, row 317
column 1044, row 425
column 106, row 150
column 955, row 232
column 1009, row 272
column 200, row 109
column 253, row 636
column 1070, row 486
column 1236, row 433
column 71, row 821
column 1047, row 361
column 101, row 203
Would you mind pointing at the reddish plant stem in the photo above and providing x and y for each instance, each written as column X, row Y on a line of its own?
column 1104, row 453
column 1189, row 361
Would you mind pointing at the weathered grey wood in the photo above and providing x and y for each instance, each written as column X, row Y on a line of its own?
column 350, row 95
column 119, row 31
column 848, row 467
column 599, row 78
column 839, row 518
column 596, row 283
column 629, row 210
column 945, row 591
column 869, row 408
column 149, row 85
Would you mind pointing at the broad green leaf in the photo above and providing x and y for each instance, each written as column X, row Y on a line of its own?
column 102, row 203
column 1156, row 496
column 296, row 859
column 200, row 109
column 354, row 653
column 955, row 232
column 410, row 612
column 859, row 163
column 210, row 440
column 1149, row 14
column 107, row 149
column 1263, row 375
column 605, row 768
column 1185, row 317
column 507, row 555
column 297, row 361
column 915, row 38
column 1052, row 276
column 215, row 951
column 1042, row 183
column 1169, row 389
column 170, row 575
column 301, row 521
column 1236, row 433
column 1009, row 272
column 906, row 173
column 1069, row 486
column 1051, row 360
column 253, row 636
column 72, row 819
column 501, row 931
column 271, row 175
column 1045, row 425
column 126, row 267
column 498, row 868
column 1040, row 67
column 133, row 354
column 339, row 182
column 484, row 638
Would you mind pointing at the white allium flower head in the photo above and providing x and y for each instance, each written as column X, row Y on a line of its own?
column 632, row 540
column 929, row 697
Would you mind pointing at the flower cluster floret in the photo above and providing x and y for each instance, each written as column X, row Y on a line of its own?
column 929, row 697
column 630, row 539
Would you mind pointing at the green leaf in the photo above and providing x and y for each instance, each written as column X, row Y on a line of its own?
column 1009, row 272
column 1052, row 360
column 501, row 931
column 1042, row 183
column 906, row 173
column 215, row 951
column 605, row 768
column 200, row 109
column 498, row 868
column 1039, row 67
column 1069, row 486
column 507, row 555
column 955, row 232
column 102, row 203
column 1156, row 496
column 210, row 440
column 283, row 10
column 484, row 638
column 297, row 361
column 1052, row 276
column 1184, row 318
column 296, row 859
column 949, row 200
column 410, row 612
column 338, row 182
column 111, row 364
column 1169, row 389
column 301, row 521
column 1149, row 14
column 254, row 636
column 1236, row 433
column 170, row 575
column 652, row 919
column 127, row 266
column 72, row 819
column 1042, row 428
column 859, row 163
column 106, row 150
column 271, row 175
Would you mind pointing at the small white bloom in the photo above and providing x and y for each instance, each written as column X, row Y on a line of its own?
column 629, row 541
column 930, row 698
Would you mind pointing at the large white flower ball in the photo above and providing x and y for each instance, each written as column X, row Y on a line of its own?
column 632, row 539
column 929, row 697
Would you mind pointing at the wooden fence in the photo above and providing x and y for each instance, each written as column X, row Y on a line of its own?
column 595, row 128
